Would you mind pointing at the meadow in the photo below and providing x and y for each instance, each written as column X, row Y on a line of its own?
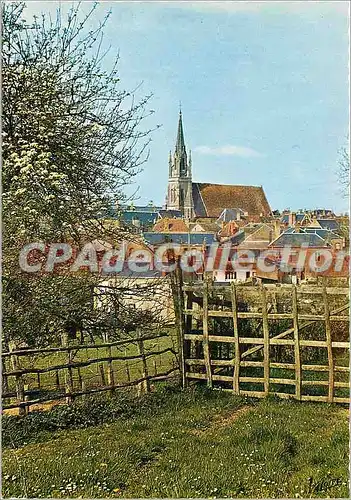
column 178, row 443
column 51, row 385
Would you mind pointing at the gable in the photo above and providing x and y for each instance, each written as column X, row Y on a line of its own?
column 197, row 228
column 207, row 227
column 263, row 233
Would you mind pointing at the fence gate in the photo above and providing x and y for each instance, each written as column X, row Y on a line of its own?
column 290, row 341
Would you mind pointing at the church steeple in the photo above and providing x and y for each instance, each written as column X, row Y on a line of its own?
column 179, row 195
column 180, row 144
column 180, row 160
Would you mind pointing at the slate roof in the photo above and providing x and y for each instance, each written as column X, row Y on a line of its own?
column 212, row 199
column 323, row 233
column 144, row 217
column 297, row 239
column 170, row 214
column 238, row 238
column 299, row 218
column 141, row 208
column 199, row 206
column 181, row 238
column 330, row 224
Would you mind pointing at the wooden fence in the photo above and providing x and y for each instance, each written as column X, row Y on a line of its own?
column 25, row 385
column 286, row 340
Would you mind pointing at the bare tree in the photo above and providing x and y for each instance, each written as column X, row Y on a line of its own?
column 344, row 170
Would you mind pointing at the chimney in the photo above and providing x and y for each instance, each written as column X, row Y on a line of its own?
column 292, row 218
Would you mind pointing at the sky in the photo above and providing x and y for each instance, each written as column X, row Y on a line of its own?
column 263, row 88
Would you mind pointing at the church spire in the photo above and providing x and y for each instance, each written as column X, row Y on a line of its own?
column 179, row 196
column 180, row 144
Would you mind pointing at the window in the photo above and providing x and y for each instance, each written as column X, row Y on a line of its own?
column 230, row 275
column 247, row 274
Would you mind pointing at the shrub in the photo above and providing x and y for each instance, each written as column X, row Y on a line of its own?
column 94, row 410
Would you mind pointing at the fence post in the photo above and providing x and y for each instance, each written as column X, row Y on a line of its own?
column 69, row 379
column 178, row 301
column 102, row 374
column 67, row 373
column 236, row 385
column 80, row 379
column 296, row 345
column 206, row 343
column 188, row 329
column 5, row 383
column 329, row 343
column 146, row 383
column 22, row 410
column 266, row 340
column 57, row 380
column 110, row 374
column 127, row 365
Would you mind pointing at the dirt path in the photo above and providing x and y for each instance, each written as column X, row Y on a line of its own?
column 221, row 421
column 39, row 406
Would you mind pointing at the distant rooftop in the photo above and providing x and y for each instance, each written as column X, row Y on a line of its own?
column 180, row 238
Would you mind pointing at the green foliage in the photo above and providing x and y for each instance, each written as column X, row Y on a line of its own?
column 186, row 444
column 94, row 410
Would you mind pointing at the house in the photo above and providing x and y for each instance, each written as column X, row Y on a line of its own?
column 149, row 297
column 248, row 240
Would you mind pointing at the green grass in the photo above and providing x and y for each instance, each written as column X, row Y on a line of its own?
column 91, row 375
column 189, row 444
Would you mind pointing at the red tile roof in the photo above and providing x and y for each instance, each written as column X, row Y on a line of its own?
column 171, row 226
column 217, row 197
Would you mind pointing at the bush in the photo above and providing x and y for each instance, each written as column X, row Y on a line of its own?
column 95, row 410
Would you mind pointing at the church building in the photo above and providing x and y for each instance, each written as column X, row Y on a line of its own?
column 194, row 199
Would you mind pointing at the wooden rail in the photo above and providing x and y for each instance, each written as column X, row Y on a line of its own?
column 247, row 366
column 73, row 383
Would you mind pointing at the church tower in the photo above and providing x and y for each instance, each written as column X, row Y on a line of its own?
column 179, row 194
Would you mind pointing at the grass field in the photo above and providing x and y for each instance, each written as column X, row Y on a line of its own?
column 194, row 443
column 124, row 371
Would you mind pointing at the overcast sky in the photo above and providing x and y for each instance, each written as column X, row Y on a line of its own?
column 263, row 87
